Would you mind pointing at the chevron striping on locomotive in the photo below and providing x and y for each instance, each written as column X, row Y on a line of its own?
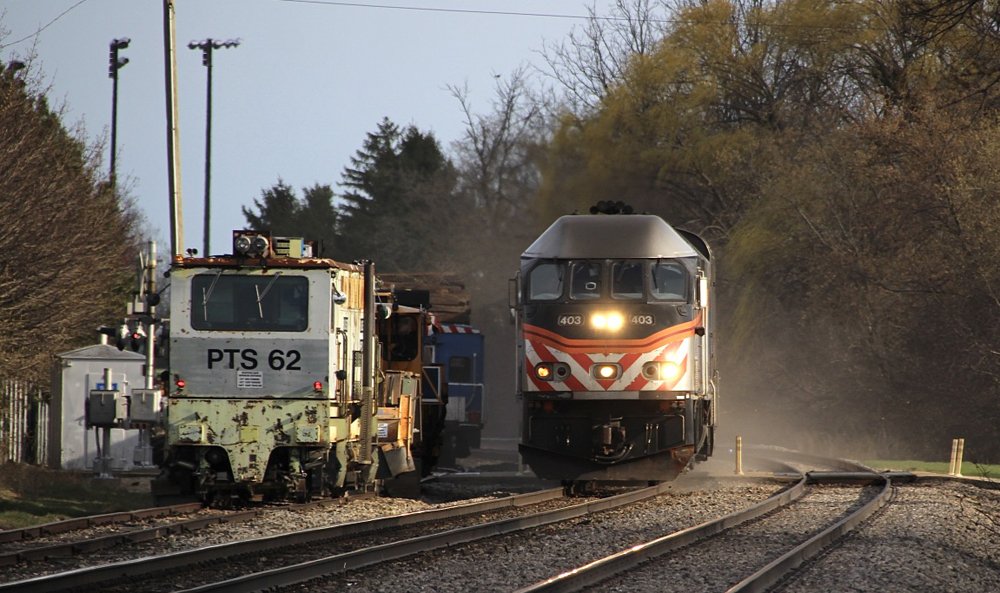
column 615, row 348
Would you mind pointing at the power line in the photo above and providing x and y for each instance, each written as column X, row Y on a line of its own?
column 588, row 17
column 38, row 32
column 451, row 10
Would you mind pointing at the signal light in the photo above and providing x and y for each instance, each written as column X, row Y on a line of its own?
column 138, row 338
column 318, row 386
column 124, row 337
column 181, row 384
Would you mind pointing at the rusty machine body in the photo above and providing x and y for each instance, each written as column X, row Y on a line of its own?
column 276, row 386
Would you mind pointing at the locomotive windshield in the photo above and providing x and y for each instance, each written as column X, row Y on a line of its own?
column 586, row 283
column 668, row 281
column 546, row 282
column 627, row 280
column 249, row 303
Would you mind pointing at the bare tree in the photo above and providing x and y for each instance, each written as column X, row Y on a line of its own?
column 595, row 57
column 67, row 239
column 495, row 157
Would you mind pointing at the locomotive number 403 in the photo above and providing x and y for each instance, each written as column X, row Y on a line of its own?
column 641, row 320
column 571, row 320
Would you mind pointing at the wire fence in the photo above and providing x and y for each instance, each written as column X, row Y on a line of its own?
column 24, row 422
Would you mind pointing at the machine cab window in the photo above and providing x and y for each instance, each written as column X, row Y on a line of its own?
column 404, row 341
column 545, row 282
column 585, row 282
column 249, row 303
column 668, row 281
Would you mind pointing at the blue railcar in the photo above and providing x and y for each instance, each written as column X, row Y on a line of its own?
column 459, row 350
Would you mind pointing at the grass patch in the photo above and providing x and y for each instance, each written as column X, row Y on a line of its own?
column 32, row 495
column 969, row 469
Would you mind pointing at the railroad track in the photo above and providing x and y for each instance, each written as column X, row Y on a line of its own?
column 37, row 543
column 508, row 547
column 811, row 514
column 160, row 572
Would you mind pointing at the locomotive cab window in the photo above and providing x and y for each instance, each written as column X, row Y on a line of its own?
column 585, row 283
column 545, row 282
column 668, row 281
column 249, row 303
column 626, row 280
column 460, row 369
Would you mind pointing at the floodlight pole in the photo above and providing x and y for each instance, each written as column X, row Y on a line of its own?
column 206, row 48
column 114, row 65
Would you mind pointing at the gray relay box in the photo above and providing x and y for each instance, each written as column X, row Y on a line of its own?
column 144, row 406
column 105, row 409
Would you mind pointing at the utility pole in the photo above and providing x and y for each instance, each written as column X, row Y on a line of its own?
column 173, row 132
column 206, row 48
column 114, row 65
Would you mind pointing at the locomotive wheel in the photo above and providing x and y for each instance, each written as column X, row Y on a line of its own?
column 578, row 487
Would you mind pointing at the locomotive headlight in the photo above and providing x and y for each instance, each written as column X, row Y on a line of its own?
column 659, row 371
column 669, row 370
column 552, row 371
column 606, row 371
column 610, row 321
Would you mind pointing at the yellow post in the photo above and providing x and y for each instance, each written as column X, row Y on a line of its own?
column 958, row 457
column 739, row 456
column 954, row 455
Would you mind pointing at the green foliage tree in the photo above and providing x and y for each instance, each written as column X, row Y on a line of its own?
column 313, row 217
column 837, row 156
column 68, row 246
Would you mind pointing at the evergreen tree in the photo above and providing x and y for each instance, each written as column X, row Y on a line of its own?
column 282, row 213
column 398, row 180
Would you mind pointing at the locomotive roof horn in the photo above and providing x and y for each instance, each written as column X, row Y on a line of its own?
column 609, row 207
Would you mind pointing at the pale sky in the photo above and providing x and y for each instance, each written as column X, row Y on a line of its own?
column 294, row 100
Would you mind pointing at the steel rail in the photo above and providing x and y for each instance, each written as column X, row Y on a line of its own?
column 291, row 575
column 773, row 453
column 71, row 548
column 776, row 570
column 132, row 568
column 77, row 523
column 597, row 571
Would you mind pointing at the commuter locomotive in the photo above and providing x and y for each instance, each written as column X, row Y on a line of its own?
column 277, row 388
column 616, row 367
